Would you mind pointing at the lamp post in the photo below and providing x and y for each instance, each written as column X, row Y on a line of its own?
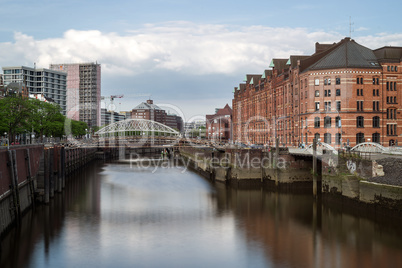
column 7, row 141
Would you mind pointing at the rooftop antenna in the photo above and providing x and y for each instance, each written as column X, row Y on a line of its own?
column 350, row 27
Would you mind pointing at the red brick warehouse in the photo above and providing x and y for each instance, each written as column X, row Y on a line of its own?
column 343, row 93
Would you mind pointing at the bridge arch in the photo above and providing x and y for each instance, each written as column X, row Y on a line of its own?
column 130, row 127
column 370, row 147
column 322, row 146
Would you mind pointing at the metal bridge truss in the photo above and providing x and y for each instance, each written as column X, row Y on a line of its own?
column 370, row 147
column 130, row 127
column 320, row 147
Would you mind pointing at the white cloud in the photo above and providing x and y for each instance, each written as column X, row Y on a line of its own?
column 176, row 46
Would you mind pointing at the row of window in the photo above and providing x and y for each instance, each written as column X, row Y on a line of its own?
column 391, row 86
column 338, row 136
column 327, row 81
column 392, row 68
column 391, row 99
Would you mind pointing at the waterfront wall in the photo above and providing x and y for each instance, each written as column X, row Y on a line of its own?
column 29, row 174
column 346, row 179
column 246, row 167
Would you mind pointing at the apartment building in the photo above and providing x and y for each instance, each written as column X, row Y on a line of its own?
column 83, row 91
column 49, row 83
column 219, row 125
column 343, row 94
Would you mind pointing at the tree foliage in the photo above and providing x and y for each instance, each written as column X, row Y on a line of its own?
column 20, row 115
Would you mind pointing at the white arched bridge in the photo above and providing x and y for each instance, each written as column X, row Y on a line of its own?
column 136, row 127
column 365, row 147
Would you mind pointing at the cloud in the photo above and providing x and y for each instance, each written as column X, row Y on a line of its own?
column 182, row 47
column 176, row 60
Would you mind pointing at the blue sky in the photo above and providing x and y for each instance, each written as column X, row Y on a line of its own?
column 188, row 54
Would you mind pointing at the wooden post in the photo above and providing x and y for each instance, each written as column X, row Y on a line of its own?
column 315, row 167
column 30, row 179
column 46, row 183
column 14, row 184
column 62, row 167
column 276, row 158
column 51, row 172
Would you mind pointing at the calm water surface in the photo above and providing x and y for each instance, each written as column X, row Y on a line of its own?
column 121, row 215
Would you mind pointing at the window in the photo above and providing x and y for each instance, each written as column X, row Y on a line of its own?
column 391, row 113
column 391, row 130
column 387, row 86
column 317, row 93
column 338, row 80
column 376, row 121
column 376, row 137
column 360, row 121
column 388, row 68
column 360, row 92
column 359, row 138
column 316, row 122
column 359, row 80
column 376, row 81
column 327, row 106
column 360, row 105
column 317, row 82
column 327, row 138
column 376, row 105
column 338, row 92
column 338, row 137
column 327, row 122
column 338, row 121
column 373, row 92
column 338, row 105
column 395, row 86
column 317, row 106
column 317, row 136
column 390, row 86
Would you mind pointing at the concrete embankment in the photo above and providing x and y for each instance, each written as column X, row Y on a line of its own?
column 251, row 167
column 341, row 177
column 30, row 174
column 346, row 180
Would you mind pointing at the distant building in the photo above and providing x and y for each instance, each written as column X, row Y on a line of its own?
column 149, row 111
column 83, row 91
column 50, row 83
column 219, row 125
column 106, row 117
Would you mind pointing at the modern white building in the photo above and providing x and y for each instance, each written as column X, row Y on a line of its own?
column 51, row 84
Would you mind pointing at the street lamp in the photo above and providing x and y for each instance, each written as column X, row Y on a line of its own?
column 7, row 141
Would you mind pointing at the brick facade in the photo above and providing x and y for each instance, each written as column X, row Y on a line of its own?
column 344, row 93
column 219, row 125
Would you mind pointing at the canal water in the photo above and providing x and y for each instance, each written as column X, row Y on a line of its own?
column 159, row 214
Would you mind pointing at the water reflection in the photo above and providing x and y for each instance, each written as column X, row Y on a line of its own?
column 124, row 216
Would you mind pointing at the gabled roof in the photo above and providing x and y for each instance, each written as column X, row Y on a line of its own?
column 266, row 73
column 147, row 106
column 278, row 64
column 252, row 79
column 345, row 54
column 293, row 60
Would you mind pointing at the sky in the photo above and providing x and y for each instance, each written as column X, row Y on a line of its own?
column 185, row 55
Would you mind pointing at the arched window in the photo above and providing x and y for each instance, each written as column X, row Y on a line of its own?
column 376, row 137
column 316, row 136
column 316, row 122
column 359, row 138
column 360, row 121
column 327, row 122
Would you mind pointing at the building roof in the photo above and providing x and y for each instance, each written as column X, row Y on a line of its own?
column 389, row 54
column 147, row 106
column 279, row 64
column 345, row 54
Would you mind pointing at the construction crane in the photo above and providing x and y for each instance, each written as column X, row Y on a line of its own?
column 112, row 97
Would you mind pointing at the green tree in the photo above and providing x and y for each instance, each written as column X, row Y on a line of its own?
column 44, row 117
column 15, row 112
